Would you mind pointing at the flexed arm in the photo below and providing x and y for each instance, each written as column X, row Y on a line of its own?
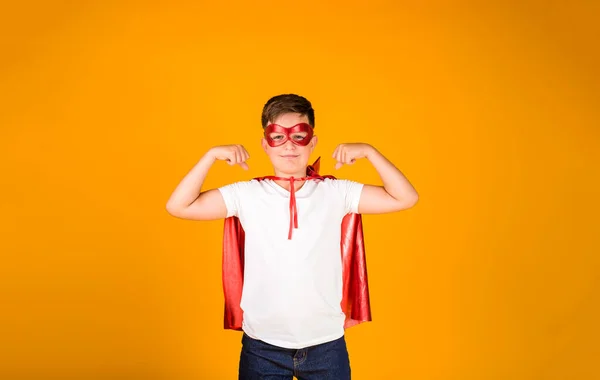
column 188, row 201
column 396, row 193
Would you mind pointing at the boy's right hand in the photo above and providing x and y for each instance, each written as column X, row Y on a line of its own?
column 232, row 154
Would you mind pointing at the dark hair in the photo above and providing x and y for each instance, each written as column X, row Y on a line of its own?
column 287, row 103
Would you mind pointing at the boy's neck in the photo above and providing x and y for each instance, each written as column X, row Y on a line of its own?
column 286, row 183
column 301, row 174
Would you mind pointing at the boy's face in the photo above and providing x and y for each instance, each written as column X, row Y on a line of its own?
column 289, row 158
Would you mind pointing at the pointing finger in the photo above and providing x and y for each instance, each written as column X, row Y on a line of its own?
column 335, row 152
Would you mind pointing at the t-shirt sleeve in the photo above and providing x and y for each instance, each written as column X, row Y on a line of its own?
column 232, row 195
column 350, row 192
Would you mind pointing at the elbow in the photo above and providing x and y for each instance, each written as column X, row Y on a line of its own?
column 408, row 202
column 172, row 209
column 414, row 200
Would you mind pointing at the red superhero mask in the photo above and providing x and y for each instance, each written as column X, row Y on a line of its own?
column 299, row 134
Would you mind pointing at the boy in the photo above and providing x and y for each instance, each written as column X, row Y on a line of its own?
column 292, row 284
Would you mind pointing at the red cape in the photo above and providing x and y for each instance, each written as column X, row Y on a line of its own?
column 355, row 298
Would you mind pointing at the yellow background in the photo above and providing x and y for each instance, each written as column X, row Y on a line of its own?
column 491, row 109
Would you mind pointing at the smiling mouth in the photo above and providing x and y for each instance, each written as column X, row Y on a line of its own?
column 290, row 156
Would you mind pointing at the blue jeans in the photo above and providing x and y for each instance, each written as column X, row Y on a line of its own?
column 326, row 361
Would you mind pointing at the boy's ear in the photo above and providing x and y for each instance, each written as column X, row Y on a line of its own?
column 263, row 143
column 313, row 143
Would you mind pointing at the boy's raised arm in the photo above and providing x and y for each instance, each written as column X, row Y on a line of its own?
column 188, row 201
column 396, row 194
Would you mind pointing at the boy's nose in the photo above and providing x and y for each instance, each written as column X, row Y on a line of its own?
column 289, row 145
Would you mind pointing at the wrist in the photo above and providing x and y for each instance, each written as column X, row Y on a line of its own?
column 209, row 156
column 370, row 151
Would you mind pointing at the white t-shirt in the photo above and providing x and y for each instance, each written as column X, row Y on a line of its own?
column 292, row 288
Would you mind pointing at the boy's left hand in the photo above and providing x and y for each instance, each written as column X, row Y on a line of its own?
column 349, row 153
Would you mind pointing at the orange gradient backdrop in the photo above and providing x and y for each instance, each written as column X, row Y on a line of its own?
column 490, row 110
